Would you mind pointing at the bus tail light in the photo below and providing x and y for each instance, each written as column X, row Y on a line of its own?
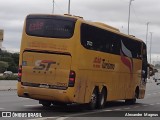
column 72, row 76
column 19, row 73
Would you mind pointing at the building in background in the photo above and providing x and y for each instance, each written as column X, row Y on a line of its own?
column 1, row 37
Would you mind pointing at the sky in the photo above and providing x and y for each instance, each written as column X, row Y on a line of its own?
column 111, row 12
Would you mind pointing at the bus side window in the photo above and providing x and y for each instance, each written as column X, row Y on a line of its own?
column 144, row 60
column 115, row 45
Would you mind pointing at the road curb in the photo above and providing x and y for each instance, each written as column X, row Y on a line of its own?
column 8, row 89
column 8, row 85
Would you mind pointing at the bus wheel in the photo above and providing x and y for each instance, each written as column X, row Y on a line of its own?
column 102, row 99
column 59, row 104
column 45, row 103
column 132, row 101
column 93, row 102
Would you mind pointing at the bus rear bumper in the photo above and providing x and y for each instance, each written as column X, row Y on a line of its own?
column 141, row 94
column 36, row 93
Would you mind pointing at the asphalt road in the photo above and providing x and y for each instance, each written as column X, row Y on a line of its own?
column 9, row 101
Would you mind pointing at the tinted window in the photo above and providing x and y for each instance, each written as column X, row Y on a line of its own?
column 98, row 39
column 131, row 46
column 50, row 26
column 95, row 38
column 144, row 62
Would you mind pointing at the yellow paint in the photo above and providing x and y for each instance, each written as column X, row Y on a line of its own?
column 71, row 55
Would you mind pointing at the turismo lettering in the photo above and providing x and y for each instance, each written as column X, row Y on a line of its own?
column 107, row 65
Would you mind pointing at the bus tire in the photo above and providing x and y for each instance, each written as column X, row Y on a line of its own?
column 59, row 104
column 93, row 102
column 132, row 101
column 102, row 99
column 45, row 103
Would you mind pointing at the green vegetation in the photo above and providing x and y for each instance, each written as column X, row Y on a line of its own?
column 157, row 66
column 3, row 66
column 13, row 77
column 8, row 61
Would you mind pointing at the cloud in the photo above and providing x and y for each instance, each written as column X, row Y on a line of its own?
column 112, row 12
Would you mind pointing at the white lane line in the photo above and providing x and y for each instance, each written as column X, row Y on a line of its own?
column 32, row 105
column 153, row 93
column 107, row 110
column 151, row 104
column 145, row 105
column 136, row 106
column 127, row 108
column 158, row 103
column 44, row 118
column 117, row 109
column 62, row 118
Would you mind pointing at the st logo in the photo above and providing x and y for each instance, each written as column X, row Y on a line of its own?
column 43, row 64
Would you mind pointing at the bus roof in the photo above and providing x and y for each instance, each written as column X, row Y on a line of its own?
column 104, row 26
column 96, row 24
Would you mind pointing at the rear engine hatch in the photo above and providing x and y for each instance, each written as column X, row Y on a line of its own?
column 46, row 70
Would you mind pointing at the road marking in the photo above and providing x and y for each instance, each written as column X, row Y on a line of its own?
column 153, row 93
column 62, row 118
column 136, row 106
column 151, row 104
column 92, row 112
column 44, row 118
column 32, row 105
column 127, row 108
column 145, row 105
column 117, row 109
column 107, row 110
column 1, row 108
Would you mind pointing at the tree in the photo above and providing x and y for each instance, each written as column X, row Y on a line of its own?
column 12, row 60
column 15, row 57
column 3, row 66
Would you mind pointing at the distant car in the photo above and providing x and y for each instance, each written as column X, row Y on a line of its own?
column 157, row 76
column 7, row 73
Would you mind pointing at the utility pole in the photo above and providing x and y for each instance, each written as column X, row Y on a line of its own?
column 69, row 5
column 53, row 8
column 147, row 33
column 150, row 46
column 129, row 14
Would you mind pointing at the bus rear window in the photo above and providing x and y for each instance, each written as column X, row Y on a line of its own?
column 50, row 26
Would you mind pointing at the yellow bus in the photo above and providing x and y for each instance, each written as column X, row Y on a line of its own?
column 65, row 59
